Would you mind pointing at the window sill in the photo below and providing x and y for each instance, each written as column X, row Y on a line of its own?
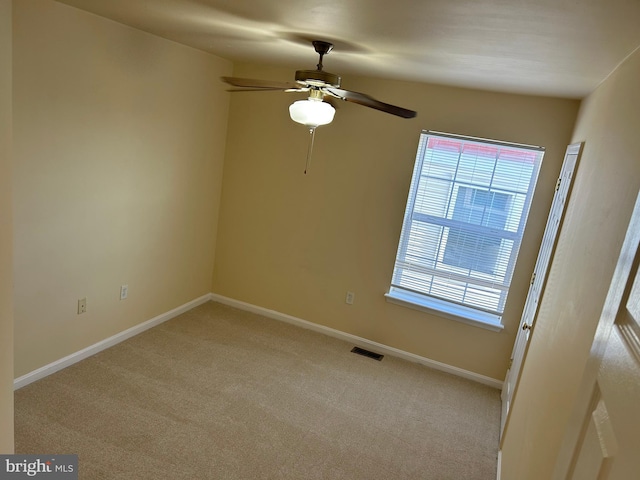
column 444, row 309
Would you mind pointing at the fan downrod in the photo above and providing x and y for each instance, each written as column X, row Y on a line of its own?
column 322, row 48
column 318, row 77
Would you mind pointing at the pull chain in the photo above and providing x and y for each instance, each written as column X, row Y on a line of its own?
column 312, row 135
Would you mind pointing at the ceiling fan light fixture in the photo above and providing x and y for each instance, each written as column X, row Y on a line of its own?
column 312, row 112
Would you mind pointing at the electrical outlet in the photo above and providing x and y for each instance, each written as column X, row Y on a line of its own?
column 82, row 305
column 350, row 297
column 124, row 292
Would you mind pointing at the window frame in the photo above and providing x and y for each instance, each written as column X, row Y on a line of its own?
column 448, row 308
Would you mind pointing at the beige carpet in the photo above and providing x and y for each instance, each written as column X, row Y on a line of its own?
column 218, row 393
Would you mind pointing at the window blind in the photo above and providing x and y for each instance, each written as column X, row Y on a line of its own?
column 464, row 220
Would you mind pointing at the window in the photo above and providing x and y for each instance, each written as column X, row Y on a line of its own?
column 463, row 225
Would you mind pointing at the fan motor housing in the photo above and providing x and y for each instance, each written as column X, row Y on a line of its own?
column 318, row 78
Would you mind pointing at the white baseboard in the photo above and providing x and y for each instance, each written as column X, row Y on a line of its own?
column 499, row 472
column 104, row 344
column 359, row 341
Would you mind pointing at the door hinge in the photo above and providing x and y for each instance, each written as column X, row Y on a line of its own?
column 558, row 183
column 533, row 278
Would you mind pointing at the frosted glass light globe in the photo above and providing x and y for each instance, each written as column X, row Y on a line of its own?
column 312, row 112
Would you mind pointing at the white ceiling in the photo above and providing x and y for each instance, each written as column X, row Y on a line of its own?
column 549, row 47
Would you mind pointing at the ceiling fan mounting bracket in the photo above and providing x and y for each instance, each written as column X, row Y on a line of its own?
column 322, row 48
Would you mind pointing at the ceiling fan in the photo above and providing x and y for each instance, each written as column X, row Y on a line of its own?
column 320, row 84
column 322, row 87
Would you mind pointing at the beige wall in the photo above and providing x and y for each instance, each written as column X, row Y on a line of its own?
column 118, row 150
column 6, row 289
column 599, row 209
column 296, row 243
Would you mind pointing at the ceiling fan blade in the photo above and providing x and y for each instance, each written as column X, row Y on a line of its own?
column 367, row 101
column 302, row 89
column 260, row 84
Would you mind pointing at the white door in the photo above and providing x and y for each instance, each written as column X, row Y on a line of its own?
column 603, row 436
column 538, row 278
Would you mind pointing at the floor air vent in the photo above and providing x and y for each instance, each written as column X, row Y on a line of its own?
column 367, row 353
